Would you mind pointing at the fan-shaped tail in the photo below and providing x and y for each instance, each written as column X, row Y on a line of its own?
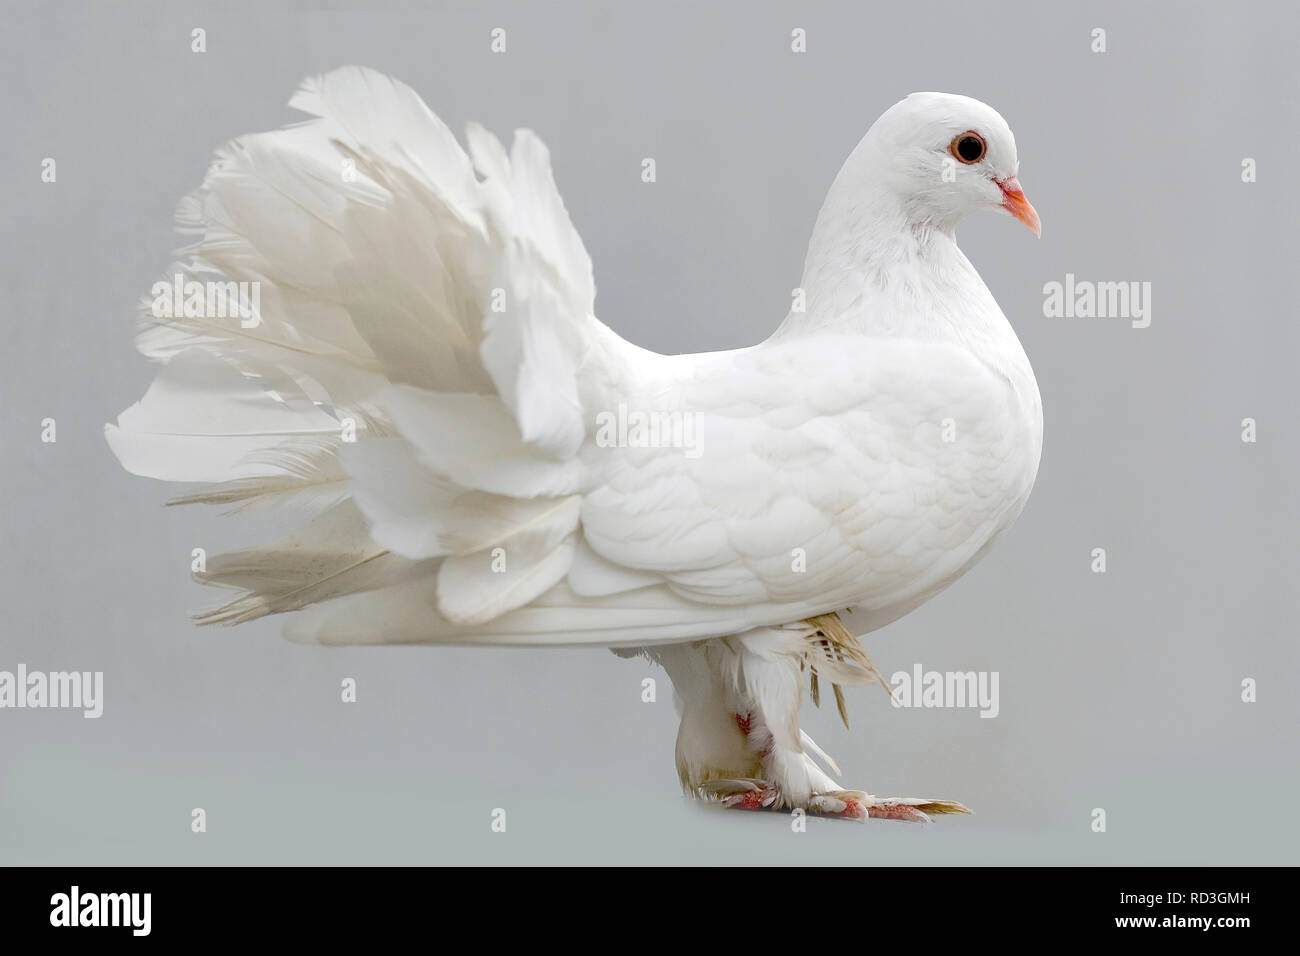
column 376, row 327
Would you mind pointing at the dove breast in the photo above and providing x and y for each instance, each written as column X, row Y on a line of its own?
column 829, row 470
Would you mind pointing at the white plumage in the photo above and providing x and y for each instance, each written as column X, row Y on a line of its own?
column 424, row 377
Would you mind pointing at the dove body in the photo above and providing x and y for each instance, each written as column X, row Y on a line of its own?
column 480, row 461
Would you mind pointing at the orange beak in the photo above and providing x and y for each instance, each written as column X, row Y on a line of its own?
column 1014, row 202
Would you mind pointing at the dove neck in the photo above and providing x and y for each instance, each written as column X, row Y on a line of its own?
column 873, row 270
column 879, row 265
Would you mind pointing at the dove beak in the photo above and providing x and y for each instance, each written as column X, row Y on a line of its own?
column 1014, row 202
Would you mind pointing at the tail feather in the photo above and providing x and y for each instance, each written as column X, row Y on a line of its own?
column 330, row 557
column 311, row 478
column 406, row 372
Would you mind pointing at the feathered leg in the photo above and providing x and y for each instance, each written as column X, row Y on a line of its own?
column 739, row 742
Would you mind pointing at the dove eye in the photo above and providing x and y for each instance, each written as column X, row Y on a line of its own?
column 968, row 147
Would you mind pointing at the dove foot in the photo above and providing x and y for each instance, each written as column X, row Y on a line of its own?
column 746, row 794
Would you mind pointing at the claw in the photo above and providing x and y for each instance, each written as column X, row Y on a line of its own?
column 741, row 794
column 847, row 804
column 750, row 800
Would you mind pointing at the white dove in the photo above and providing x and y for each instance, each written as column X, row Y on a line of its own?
column 399, row 339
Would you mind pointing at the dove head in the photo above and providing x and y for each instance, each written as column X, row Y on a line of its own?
column 943, row 157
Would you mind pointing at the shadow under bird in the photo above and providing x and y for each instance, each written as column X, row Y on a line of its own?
column 422, row 376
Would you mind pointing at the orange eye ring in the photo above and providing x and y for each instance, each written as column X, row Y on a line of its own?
column 968, row 148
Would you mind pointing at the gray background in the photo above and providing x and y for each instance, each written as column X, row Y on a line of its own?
column 1118, row 691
